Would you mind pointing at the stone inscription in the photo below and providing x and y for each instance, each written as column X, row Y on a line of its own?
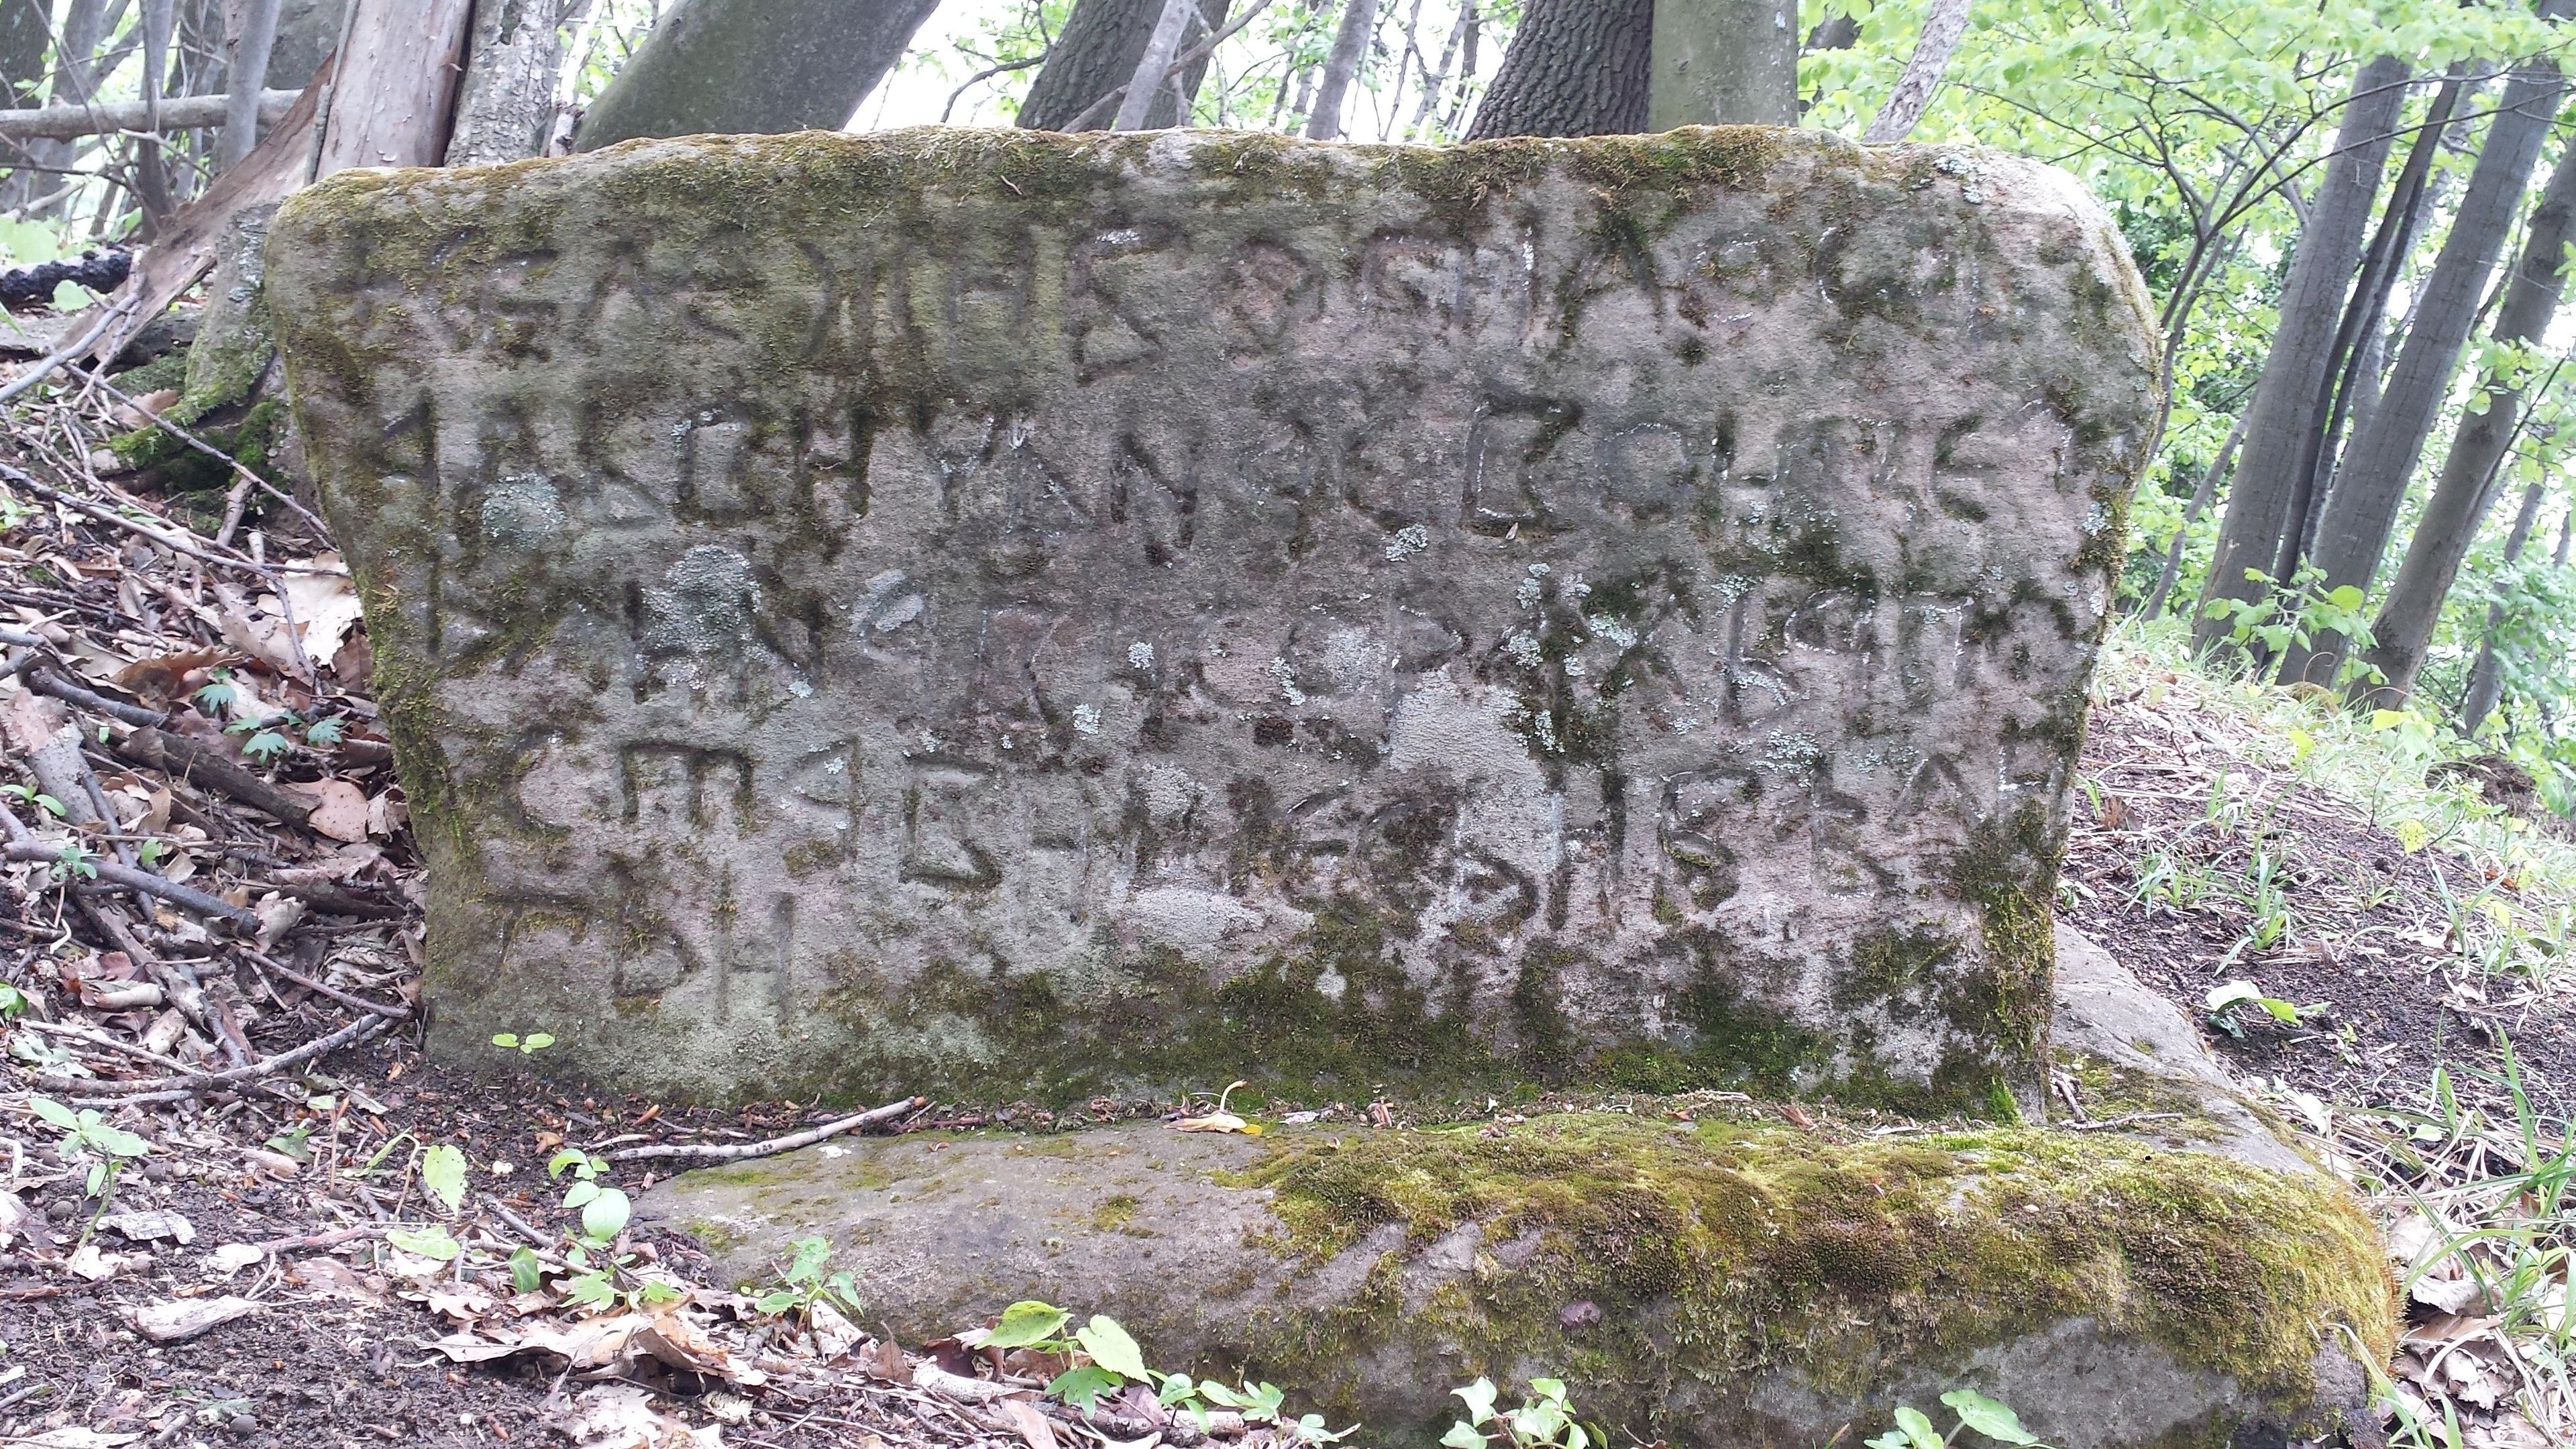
column 859, row 618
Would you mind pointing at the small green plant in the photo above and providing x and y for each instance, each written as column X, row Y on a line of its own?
column 1105, row 1359
column 217, row 693
column 1543, row 1421
column 804, row 1283
column 442, row 1172
column 323, row 733
column 76, row 862
column 2234, row 993
column 526, row 1046
column 1914, row 1430
column 12, row 1002
column 266, row 741
column 34, row 798
column 604, row 1209
column 87, row 1138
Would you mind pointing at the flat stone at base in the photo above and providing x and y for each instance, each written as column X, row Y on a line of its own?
column 1756, row 1287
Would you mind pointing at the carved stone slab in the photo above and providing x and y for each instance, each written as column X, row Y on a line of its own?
column 1022, row 615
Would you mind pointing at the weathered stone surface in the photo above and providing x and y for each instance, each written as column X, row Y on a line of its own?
column 1013, row 614
column 1753, row 1286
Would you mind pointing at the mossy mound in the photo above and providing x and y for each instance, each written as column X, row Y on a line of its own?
column 1734, row 1282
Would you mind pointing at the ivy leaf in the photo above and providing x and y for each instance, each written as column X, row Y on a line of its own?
column 442, row 1171
column 1111, row 1347
column 1918, row 1429
column 526, row 1273
column 1987, row 1417
column 1461, row 1436
column 431, row 1242
column 1082, row 1387
column 1027, row 1322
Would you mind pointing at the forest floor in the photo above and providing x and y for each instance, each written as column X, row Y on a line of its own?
column 350, row 1245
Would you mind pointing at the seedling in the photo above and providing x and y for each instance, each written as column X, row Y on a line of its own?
column 2234, row 993
column 1545, row 1420
column 526, row 1046
column 804, row 1283
column 87, row 1137
column 1914, row 1431
column 29, row 795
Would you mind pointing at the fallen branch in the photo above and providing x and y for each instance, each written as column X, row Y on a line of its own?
column 109, row 872
column 173, row 1088
column 45, row 681
column 2109, row 1124
column 180, row 756
column 38, row 370
column 775, row 1145
column 178, row 113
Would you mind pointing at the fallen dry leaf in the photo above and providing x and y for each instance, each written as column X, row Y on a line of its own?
column 332, row 1278
column 1032, row 1425
column 834, row 1335
column 166, row 677
column 181, row 1319
column 340, row 808
column 14, row 1216
column 150, row 1226
column 1217, row 1122
column 326, row 607
column 621, row 1416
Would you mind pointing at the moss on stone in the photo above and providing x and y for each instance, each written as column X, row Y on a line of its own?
column 1732, row 1248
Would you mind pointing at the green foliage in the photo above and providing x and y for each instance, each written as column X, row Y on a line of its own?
column 1975, row 1412
column 804, row 1283
column 1544, row 1420
column 1104, row 1358
column 604, row 1209
column 442, row 1174
column 526, row 1046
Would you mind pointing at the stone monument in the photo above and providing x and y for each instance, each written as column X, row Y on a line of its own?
column 1026, row 616
column 1016, row 616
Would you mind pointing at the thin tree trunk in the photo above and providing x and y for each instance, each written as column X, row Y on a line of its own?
column 393, row 101
column 2486, row 677
column 249, row 58
column 1433, row 80
column 2359, row 515
column 151, row 179
column 1146, row 85
column 1350, row 47
column 753, row 66
column 2404, row 626
column 2284, row 413
column 1724, row 63
column 2352, row 353
column 507, row 107
column 1942, row 31
column 2154, row 606
column 1575, row 68
column 1103, row 43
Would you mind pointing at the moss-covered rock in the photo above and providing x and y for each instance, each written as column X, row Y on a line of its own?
column 1727, row 1281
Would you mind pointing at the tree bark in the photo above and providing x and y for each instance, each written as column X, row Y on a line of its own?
column 1146, row 85
column 249, row 58
column 753, row 66
column 178, row 114
column 2353, row 531
column 394, row 99
column 512, row 61
column 1942, row 31
column 1350, row 47
column 2353, row 363
column 2486, row 677
column 2200, row 497
column 307, row 30
column 26, row 33
column 1102, row 44
column 1724, row 63
column 2460, row 499
column 2284, row 412
column 1575, row 68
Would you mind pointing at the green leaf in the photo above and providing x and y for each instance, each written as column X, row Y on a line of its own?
column 442, row 1171
column 2348, row 599
column 527, row 1275
column 1892, row 1439
column 1111, row 1347
column 116, row 1140
column 1988, row 1417
column 54, row 1112
column 506, row 1040
column 1479, row 1397
column 579, row 1194
column 591, row 1290
column 1082, row 1387
column 71, row 296
column 536, row 1041
column 778, row 1302
column 2222, row 997
column 604, row 1216
column 1462, row 1437
column 430, row 1242
column 1027, row 1322
column 1918, row 1429
column 807, row 1265
column 569, row 1157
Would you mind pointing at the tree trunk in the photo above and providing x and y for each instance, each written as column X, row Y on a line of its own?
column 249, row 57
column 151, row 179
column 2284, row 412
column 2486, row 677
column 2353, row 362
column 2154, row 606
column 1146, row 85
column 394, row 99
column 512, row 61
column 307, row 30
column 1350, row 47
column 1102, row 44
column 1433, row 80
column 1724, row 63
column 1575, row 68
column 720, row 67
column 1942, row 31
column 2353, row 532
column 2460, row 500
column 26, row 33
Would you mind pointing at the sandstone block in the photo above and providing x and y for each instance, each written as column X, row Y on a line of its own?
column 1017, row 615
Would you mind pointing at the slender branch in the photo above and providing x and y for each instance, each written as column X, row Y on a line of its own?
column 789, row 1143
